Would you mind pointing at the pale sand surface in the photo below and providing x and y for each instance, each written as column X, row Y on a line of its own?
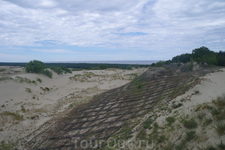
column 211, row 87
column 37, row 105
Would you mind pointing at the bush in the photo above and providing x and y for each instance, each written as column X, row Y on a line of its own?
column 39, row 80
column 65, row 69
column 57, row 70
column 35, row 66
column 47, row 73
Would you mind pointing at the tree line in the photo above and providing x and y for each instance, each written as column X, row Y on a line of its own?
column 202, row 55
column 80, row 66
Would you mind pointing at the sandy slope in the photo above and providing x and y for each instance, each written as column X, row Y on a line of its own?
column 39, row 102
column 194, row 105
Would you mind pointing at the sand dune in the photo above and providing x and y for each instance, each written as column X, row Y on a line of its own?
column 38, row 98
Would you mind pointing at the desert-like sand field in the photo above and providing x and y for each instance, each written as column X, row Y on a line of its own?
column 28, row 100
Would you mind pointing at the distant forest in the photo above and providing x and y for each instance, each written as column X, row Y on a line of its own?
column 202, row 55
column 80, row 65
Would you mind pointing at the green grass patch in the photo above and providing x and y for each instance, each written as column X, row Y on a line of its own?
column 147, row 123
column 170, row 120
column 207, row 122
column 21, row 80
column 190, row 135
column 5, row 78
column 220, row 128
column 190, row 124
column 142, row 134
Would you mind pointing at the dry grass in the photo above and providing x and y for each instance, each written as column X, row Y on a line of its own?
column 15, row 116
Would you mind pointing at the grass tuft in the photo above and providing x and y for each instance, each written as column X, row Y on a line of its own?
column 190, row 135
column 147, row 123
column 15, row 116
column 207, row 122
column 190, row 124
column 28, row 90
column 170, row 120
column 220, row 128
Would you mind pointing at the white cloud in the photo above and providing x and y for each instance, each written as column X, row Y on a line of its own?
column 169, row 24
column 54, row 51
column 14, row 58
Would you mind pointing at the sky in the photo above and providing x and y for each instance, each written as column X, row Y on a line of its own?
column 97, row 30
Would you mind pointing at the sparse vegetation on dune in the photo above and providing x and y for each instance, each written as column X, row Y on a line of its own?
column 5, row 78
column 18, row 79
column 60, row 70
column 190, row 128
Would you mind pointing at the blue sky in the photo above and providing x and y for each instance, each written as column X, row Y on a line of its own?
column 84, row 30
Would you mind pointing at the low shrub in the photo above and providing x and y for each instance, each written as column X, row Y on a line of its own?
column 47, row 73
column 65, row 69
column 57, row 70
column 39, row 80
column 28, row 90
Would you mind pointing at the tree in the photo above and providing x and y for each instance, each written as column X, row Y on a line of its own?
column 184, row 58
column 221, row 58
column 202, row 54
column 35, row 66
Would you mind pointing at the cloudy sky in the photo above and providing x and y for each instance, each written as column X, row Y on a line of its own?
column 87, row 30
